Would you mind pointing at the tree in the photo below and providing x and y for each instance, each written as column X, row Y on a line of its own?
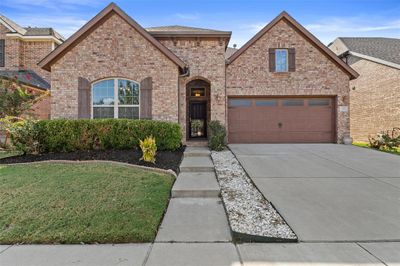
column 15, row 100
column 15, row 105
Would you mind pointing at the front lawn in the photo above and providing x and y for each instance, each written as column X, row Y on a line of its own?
column 75, row 203
column 366, row 145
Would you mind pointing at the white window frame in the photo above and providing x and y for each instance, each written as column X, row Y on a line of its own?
column 116, row 100
column 287, row 60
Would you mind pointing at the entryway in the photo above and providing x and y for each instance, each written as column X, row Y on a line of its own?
column 198, row 109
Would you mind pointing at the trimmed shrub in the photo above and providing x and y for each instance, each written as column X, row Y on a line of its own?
column 63, row 135
column 217, row 136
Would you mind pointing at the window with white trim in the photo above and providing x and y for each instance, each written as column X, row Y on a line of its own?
column 115, row 98
column 281, row 60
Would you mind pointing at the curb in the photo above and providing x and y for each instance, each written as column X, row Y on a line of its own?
column 154, row 169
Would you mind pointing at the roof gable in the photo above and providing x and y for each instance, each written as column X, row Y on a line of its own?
column 381, row 50
column 305, row 33
column 90, row 26
column 11, row 25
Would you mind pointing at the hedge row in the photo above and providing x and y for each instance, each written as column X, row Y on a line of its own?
column 87, row 134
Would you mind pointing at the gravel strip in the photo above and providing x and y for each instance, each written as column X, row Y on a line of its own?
column 248, row 211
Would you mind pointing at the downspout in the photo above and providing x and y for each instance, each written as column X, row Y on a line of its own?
column 186, row 73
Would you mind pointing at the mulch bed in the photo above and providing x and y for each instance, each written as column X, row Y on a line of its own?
column 164, row 159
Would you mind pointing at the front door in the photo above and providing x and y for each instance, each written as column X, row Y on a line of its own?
column 198, row 119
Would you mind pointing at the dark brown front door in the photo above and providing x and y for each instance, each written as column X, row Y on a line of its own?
column 198, row 119
column 281, row 120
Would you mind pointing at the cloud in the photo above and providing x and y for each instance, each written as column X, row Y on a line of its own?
column 66, row 26
column 254, row 27
column 329, row 28
column 353, row 24
column 187, row 16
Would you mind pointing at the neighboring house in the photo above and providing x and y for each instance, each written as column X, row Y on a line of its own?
column 20, row 51
column 282, row 86
column 375, row 94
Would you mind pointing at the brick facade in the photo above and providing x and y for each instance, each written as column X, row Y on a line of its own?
column 206, row 60
column 115, row 48
column 374, row 98
column 315, row 74
column 96, row 57
column 24, row 55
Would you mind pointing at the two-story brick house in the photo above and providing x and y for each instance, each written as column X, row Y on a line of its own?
column 283, row 85
column 375, row 94
column 21, row 49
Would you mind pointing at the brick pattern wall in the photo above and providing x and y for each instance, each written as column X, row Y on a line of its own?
column 206, row 60
column 32, row 53
column 315, row 74
column 375, row 100
column 114, row 49
column 23, row 55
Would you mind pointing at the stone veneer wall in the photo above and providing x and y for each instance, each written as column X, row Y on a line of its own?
column 315, row 74
column 375, row 100
column 206, row 59
column 114, row 49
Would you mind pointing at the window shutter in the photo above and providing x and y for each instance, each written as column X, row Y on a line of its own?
column 292, row 59
column 146, row 88
column 84, row 105
column 271, row 58
column 2, row 52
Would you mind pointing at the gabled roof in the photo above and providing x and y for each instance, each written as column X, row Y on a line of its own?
column 11, row 25
column 382, row 50
column 15, row 29
column 178, row 30
column 34, row 31
column 78, row 36
column 305, row 33
column 26, row 77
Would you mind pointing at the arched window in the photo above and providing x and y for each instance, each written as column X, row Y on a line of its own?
column 115, row 98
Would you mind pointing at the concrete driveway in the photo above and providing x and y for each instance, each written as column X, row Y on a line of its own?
column 328, row 192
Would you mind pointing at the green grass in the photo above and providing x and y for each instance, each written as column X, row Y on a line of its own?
column 4, row 154
column 74, row 203
column 366, row 145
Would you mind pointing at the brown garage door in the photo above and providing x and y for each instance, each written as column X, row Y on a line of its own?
column 285, row 120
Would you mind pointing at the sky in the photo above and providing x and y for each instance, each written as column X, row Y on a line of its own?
column 325, row 19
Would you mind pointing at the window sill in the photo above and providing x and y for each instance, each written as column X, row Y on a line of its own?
column 282, row 74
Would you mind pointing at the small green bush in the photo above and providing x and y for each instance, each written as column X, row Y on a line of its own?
column 62, row 135
column 24, row 136
column 217, row 136
column 386, row 140
column 149, row 149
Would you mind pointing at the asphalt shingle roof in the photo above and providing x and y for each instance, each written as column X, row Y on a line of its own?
column 387, row 49
column 178, row 28
column 27, row 77
column 43, row 32
column 230, row 51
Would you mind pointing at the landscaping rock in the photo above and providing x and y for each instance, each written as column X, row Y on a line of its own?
column 249, row 213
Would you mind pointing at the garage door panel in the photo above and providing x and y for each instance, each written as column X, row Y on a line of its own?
column 277, row 120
